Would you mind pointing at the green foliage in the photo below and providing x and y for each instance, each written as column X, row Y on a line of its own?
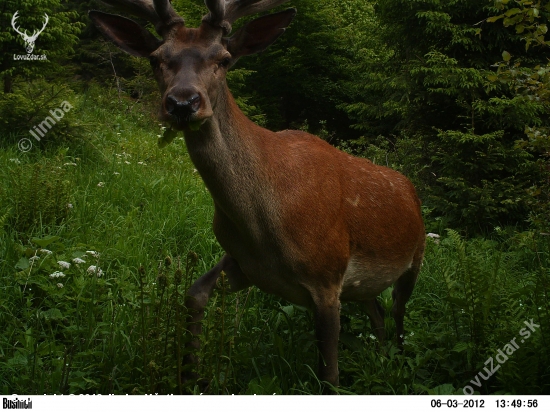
column 236, row 80
column 530, row 82
column 30, row 104
column 56, row 41
column 81, row 323
column 438, row 89
column 38, row 193
column 475, row 188
column 486, row 287
column 525, row 16
column 307, row 66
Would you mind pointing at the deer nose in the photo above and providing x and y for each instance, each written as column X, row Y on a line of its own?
column 184, row 108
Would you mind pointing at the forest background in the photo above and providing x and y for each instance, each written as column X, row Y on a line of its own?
column 454, row 94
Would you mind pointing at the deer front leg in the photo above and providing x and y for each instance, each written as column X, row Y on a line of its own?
column 197, row 298
column 327, row 331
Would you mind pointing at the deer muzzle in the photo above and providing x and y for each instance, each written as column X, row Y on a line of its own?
column 183, row 109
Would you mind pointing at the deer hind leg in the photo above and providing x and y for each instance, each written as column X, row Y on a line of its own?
column 376, row 315
column 401, row 293
column 197, row 298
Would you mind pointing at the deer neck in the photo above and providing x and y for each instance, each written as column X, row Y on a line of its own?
column 227, row 152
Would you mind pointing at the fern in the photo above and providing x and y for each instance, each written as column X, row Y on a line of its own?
column 39, row 194
column 4, row 219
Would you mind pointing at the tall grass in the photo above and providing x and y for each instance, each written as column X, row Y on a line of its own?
column 147, row 214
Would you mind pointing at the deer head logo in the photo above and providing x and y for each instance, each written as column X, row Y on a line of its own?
column 29, row 40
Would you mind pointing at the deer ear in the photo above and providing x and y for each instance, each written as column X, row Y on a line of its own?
column 258, row 34
column 125, row 33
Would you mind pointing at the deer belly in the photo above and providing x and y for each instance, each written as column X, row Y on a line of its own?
column 261, row 262
column 364, row 280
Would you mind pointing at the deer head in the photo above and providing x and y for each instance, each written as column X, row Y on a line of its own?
column 29, row 40
column 190, row 64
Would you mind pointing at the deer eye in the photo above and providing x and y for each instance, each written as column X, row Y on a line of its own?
column 225, row 62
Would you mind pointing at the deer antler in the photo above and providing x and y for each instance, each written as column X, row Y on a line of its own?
column 223, row 13
column 13, row 19
column 159, row 12
column 166, row 12
column 36, row 33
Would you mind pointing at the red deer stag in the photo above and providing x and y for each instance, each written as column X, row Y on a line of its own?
column 295, row 216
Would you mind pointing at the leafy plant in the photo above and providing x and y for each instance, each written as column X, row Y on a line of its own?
column 39, row 194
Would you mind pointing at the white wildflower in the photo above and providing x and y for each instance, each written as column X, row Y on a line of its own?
column 78, row 261
column 94, row 269
column 434, row 236
column 69, row 205
column 57, row 275
column 63, row 264
column 93, row 253
column 69, row 164
column 60, row 285
column 372, row 336
column 142, row 163
column 16, row 161
column 101, row 184
column 116, row 173
column 46, row 251
column 127, row 162
column 34, row 258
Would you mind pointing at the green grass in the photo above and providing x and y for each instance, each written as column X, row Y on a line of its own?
column 124, row 332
